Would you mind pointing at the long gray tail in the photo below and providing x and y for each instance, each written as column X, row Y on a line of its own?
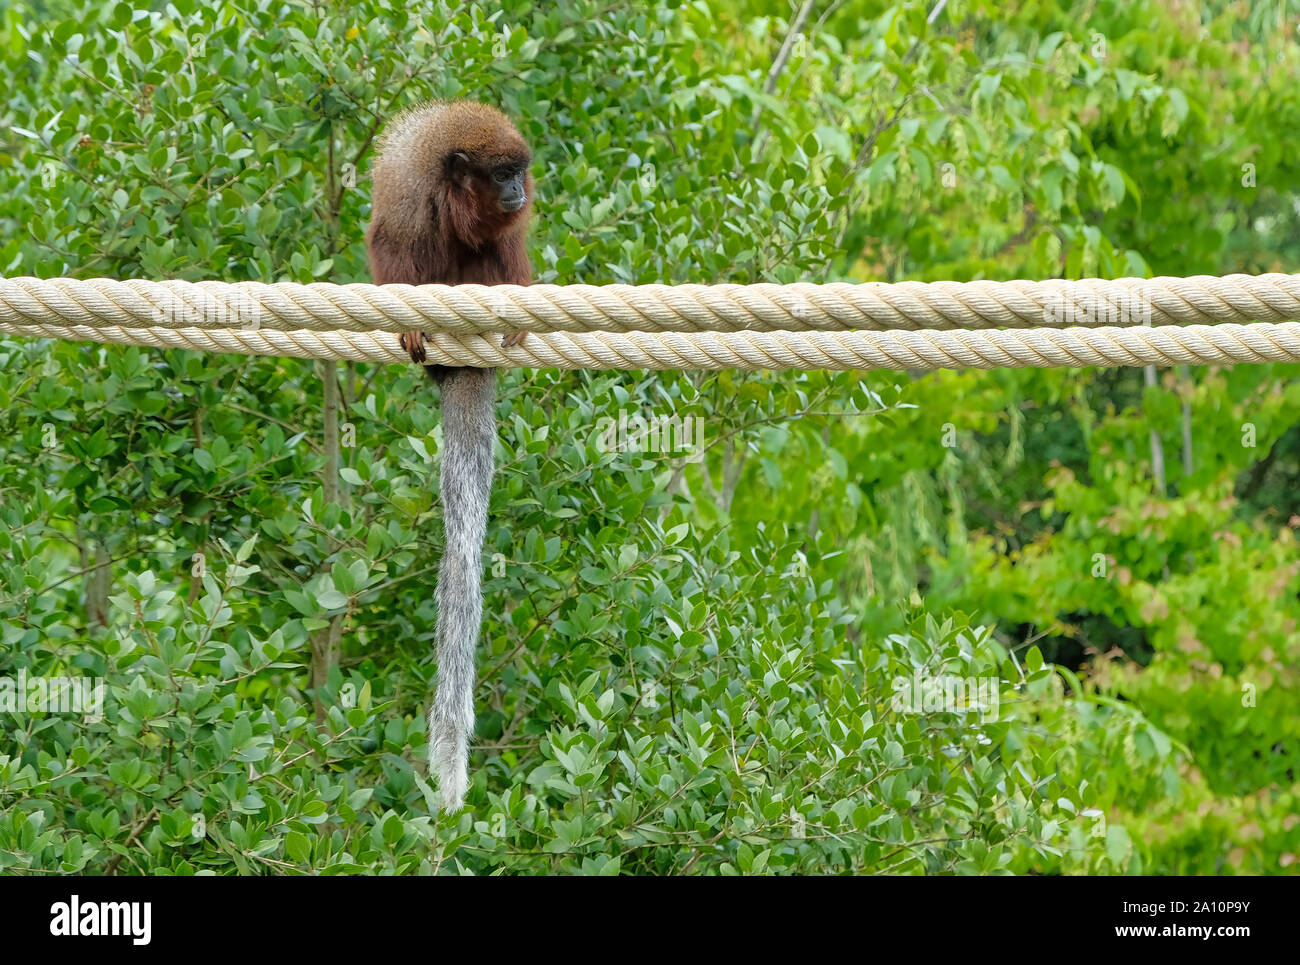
column 468, row 429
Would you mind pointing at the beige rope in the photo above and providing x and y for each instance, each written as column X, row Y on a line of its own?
column 337, row 344
column 1032, row 348
column 468, row 309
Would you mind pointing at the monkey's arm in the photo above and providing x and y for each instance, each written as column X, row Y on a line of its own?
column 392, row 262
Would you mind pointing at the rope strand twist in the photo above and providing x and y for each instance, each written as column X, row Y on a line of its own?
column 915, row 325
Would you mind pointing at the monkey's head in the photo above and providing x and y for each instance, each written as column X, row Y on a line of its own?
column 455, row 169
column 495, row 183
column 485, row 175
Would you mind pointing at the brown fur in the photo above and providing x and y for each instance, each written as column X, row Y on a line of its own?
column 428, row 227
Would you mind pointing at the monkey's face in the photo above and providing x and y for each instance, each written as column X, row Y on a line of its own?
column 511, row 191
column 497, row 189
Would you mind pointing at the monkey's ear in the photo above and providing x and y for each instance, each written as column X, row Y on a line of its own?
column 458, row 165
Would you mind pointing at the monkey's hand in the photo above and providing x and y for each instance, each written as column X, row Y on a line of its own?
column 511, row 339
column 413, row 342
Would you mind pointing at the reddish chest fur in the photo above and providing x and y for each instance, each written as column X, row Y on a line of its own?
column 460, row 241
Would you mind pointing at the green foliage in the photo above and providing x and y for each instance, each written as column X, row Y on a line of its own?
column 691, row 660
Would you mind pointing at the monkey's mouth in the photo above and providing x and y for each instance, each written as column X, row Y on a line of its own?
column 513, row 205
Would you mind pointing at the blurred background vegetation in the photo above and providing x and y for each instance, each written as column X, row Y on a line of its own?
column 689, row 659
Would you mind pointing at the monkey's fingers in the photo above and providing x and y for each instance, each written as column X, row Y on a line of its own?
column 511, row 339
column 413, row 342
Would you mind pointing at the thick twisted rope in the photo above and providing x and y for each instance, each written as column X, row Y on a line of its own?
column 471, row 309
column 1024, row 348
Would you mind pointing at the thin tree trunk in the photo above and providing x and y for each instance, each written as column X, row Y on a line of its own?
column 325, row 642
column 1157, row 448
column 99, row 581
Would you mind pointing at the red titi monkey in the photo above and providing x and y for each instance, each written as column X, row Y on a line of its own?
column 450, row 206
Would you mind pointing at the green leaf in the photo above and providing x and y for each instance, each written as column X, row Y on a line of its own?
column 1034, row 660
column 297, row 847
column 331, row 599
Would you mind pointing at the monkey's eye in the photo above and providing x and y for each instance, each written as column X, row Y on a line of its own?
column 502, row 176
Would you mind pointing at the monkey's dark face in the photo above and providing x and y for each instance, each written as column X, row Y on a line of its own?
column 499, row 186
column 508, row 179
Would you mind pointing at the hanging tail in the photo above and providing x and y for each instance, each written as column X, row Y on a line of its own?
column 468, row 429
